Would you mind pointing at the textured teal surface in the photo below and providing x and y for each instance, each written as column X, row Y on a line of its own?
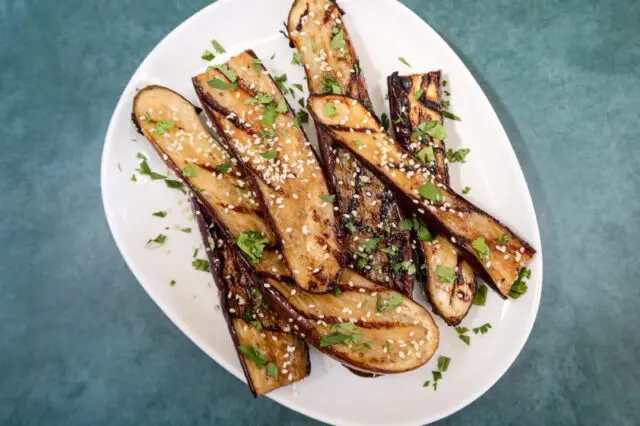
column 83, row 344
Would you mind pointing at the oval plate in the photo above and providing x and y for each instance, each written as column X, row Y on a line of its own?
column 492, row 170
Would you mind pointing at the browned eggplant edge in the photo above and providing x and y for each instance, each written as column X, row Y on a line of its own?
column 399, row 102
column 430, row 219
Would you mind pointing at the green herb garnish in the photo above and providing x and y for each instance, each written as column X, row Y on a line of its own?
column 404, row 61
column 216, row 83
column 330, row 85
column 480, row 298
column 330, row 110
column 163, row 126
column 254, row 355
column 435, row 129
column 504, row 239
column 252, row 244
column 272, row 370
column 350, row 227
column 172, row 283
column 217, row 46
column 443, row 363
column 189, row 171
column 483, row 329
column 392, row 302
column 174, row 184
column 301, row 117
column 201, row 265
column 256, row 64
column 269, row 115
column 407, row 265
column 445, row 274
column 329, row 198
column 480, row 246
column 451, row 115
column 457, row 156
column 520, row 287
column 430, row 192
column 337, row 42
column 159, row 214
column 224, row 167
column 466, row 190
column 337, row 292
column 269, row 155
column 418, row 94
column 186, row 230
column 297, row 58
column 145, row 170
column 426, row 155
column 384, row 121
column 157, row 241
column 208, row 55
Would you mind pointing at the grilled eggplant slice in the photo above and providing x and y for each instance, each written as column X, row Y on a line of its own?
column 305, row 311
column 255, row 122
column 472, row 230
column 270, row 355
column 413, row 100
column 368, row 210
column 157, row 112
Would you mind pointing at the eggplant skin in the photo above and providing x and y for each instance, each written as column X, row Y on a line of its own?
column 279, row 346
column 450, row 300
column 471, row 229
column 367, row 209
column 290, row 190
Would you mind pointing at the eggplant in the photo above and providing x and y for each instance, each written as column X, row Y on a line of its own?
column 270, row 354
column 254, row 121
column 253, row 325
column 368, row 211
column 493, row 250
column 383, row 319
column 413, row 100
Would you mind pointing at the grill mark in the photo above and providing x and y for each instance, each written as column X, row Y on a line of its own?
column 305, row 13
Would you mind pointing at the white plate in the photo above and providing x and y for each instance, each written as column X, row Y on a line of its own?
column 383, row 30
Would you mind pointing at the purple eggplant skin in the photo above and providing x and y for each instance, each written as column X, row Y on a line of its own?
column 210, row 231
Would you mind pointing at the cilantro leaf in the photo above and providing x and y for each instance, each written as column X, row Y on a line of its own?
column 443, row 363
column 163, row 126
column 451, row 115
column 329, row 198
column 337, row 42
column 426, row 155
column 224, row 167
column 384, row 121
column 201, row 265
column 466, row 190
column 404, row 61
column 189, row 171
column 157, row 241
column 392, row 302
column 252, row 244
column 269, row 155
column 252, row 352
column 458, row 156
column 445, row 274
column 217, row 46
column 159, row 214
column 207, row 55
column 480, row 246
column 480, row 298
column 330, row 110
column 430, row 192
column 272, row 370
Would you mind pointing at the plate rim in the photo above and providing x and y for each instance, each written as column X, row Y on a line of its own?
column 186, row 329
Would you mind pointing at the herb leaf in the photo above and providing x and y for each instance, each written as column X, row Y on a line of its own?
column 337, row 42
column 483, row 329
column 217, row 46
column 163, row 126
column 392, row 302
column 451, row 115
column 252, row 243
column 207, row 55
column 269, row 155
column 224, row 167
column 443, row 363
column 329, row 198
column 418, row 94
column 384, row 121
column 228, row 72
column 216, row 83
column 174, row 184
column 480, row 246
column 145, row 170
column 330, row 85
column 272, row 370
column 435, row 129
column 426, row 155
column 159, row 214
column 480, row 298
column 430, row 192
column 520, row 286
column 201, row 265
column 466, row 190
column 445, row 274
column 157, row 241
column 330, row 110
column 254, row 355
column 189, row 171
column 404, row 61
column 458, row 156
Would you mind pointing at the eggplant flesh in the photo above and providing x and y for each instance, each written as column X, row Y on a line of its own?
column 251, row 323
column 283, row 358
column 284, row 169
column 415, row 99
column 476, row 233
column 311, row 315
column 368, row 211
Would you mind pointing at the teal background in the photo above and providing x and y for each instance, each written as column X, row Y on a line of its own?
column 81, row 343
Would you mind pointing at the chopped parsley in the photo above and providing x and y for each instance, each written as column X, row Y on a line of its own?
column 370, row 244
column 174, row 184
column 301, row 117
column 423, row 232
column 426, row 155
column 163, row 126
column 480, row 298
column 483, row 329
column 466, row 190
column 480, row 246
column 504, row 239
column 217, row 46
column 404, row 61
column 445, row 274
column 337, row 42
column 298, row 86
column 201, row 265
column 157, row 241
column 406, row 224
column 134, row 178
column 269, row 155
column 433, row 128
column 216, row 83
column 224, row 167
column 228, row 72
column 520, row 286
column 418, row 94
column 337, row 292
column 384, row 121
column 280, row 81
column 190, row 171
column 145, row 170
column 256, row 324
column 458, row 156
column 256, row 64
column 282, row 107
column 330, row 85
column 186, row 230
column 159, row 214
column 329, row 198
column 392, row 302
column 252, row 244
column 407, row 266
column 350, row 227
column 269, row 115
column 462, row 334
column 272, row 370
column 451, row 115
column 261, row 98
column 443, row 363
column 330, row 110
column 430, row 192
column 344, row 333
column 252, row 352
column 208, row 55
column 147, row 117
column 297, row 58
